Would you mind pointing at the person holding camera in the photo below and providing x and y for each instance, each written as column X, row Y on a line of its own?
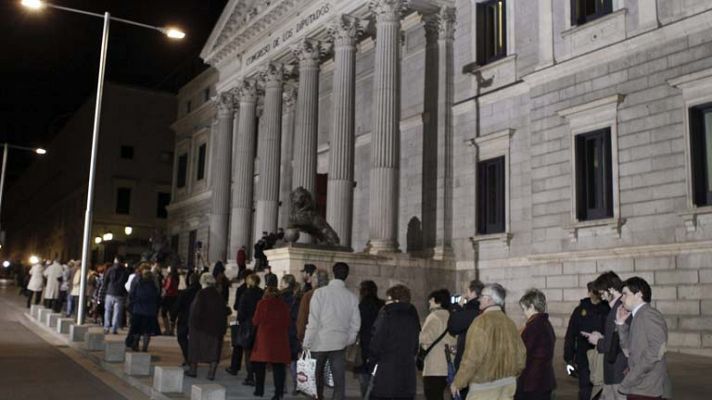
column 433, row 339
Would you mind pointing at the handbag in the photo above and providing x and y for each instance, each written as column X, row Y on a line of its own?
column 422, row 353
column 306, row 374
column 246, row 334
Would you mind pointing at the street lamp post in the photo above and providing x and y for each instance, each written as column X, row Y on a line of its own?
column 172, row 33
column 7, row 146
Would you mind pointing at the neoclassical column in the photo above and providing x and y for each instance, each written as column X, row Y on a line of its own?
column 289, row 98
column 269, row 148
column 306, row 117
column 243, row 171
column 385, row 135
column 446, row 70
column 220, row 200
column 340, row 188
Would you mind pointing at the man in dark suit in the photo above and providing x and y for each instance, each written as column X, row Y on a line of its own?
column 644, row 341
column 461, row 319
column 615, row 363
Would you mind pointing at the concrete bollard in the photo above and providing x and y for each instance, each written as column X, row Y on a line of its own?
column 138, row 364
column 210, row 391
column 94, row 341
column 42, row 315
column 114, row 351
column 63, row 325
column 77, row 332
column 168, row 379
column 52, row 320
column 35, row 310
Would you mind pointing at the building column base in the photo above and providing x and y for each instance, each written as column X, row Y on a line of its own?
column 378, row 246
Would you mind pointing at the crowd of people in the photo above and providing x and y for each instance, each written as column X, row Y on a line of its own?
column 466, row 348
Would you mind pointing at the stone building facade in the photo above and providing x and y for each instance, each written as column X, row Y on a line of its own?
column 533, row 143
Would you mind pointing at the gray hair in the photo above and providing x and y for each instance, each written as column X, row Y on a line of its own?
column 322, row 278
column 497, row 292
column 207, row 279
column 534, row 298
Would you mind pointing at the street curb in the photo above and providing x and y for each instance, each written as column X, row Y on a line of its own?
column 115, row 369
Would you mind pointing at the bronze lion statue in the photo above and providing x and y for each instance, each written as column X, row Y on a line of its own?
column 304, row 216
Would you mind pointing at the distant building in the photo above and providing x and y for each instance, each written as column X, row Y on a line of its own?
column 45, row 207
column 189, row 212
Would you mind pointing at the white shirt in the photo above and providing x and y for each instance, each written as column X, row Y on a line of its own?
column 334, row 318
column 635, row 310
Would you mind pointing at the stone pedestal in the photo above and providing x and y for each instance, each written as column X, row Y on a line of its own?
column 137, row 364
column 114, row 351
column 94, row 341
column 52, row 319
column 35, row 310
column 63, row 325
column 168, row 379
column 77, row 332
column 211, row 391
column 42, row 315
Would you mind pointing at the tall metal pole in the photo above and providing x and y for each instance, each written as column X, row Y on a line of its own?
column 2, row 181
column 92, row 173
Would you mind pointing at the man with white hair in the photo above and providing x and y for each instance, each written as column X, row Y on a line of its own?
column 494, row 352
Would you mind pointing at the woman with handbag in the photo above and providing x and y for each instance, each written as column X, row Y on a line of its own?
column 393, row 347
column 433, row 339
column 245, row 330
column 272, row 321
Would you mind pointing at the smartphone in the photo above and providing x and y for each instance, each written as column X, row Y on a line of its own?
column 454, row 299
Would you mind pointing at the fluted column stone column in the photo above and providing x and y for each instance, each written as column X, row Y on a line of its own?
column 220, row 200
column 269, row 148
column 243, row 171
column 385, row 136
column 289, row 98
column 340, row 188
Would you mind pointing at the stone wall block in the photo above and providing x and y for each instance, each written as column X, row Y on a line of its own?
column 580, row 267
column 563, row 281
column 676, row 277
column 654, row 263
column 679, row 307
column 616, row 265
column 694, row 261
column 694, row 292
column 696, row 323
column 684, row 339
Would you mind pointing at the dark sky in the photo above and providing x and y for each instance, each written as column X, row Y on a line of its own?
column 49, row 60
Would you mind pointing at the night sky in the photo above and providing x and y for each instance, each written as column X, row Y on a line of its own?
column 49, row 60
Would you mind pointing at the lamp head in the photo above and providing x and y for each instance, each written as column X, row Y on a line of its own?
column 32, row 4
column 40, row 151
column 173, row 33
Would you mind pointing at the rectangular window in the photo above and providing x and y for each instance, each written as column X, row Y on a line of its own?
column 594, row 176
column 206, row 94
column 192, row 238
column 491, row 31
column 123, row 200
column 174, row 243
column 163, row 200
column 201, row 161
column 188, row 107
column 182, row 170
column 583, row 11
column 491, row 184
column 701, row 146
column 127, row 152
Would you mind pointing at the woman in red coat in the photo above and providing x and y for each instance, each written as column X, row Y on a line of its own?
column 271, row 320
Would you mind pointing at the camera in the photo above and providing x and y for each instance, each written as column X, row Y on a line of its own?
column 455, row 298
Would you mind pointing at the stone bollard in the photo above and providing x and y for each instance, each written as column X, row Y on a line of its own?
column 63, row 325
column 77, row 332
column 210, row 391
column 35, row 310
column 168, row 379
column 94, row 341
column 42, row 315
column 52, row 320
column 137, row 364
column 114, row 351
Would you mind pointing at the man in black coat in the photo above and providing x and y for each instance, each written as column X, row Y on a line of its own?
column 589, row 316
column 114, row 282
column 236, row 359
column 245, row 311
column 181, row 313
column 461, row 318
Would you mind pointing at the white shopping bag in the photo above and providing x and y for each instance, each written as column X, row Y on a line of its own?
column 306, row 374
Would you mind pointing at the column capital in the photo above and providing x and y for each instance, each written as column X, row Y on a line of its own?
column 246, row 91
column 226, row 102
column 345, row 30
column 272, row 75
column 447, row 16
column 289, row 96
column 307, row 51
column 386, row 10
column 431, row 24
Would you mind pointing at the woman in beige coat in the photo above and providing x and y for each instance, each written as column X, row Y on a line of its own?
column 435, row 365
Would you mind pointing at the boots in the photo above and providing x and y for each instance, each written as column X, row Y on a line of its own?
column 211, row 370
column 192, row 370
column 146, row 341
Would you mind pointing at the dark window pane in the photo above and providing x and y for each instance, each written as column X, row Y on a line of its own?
column 123, row 200
column 127, row 152
column 182, row 170
column 188, row 107
column 201, row 161
column 174, row 243
column 701, row 146
column 583, row 11
column 192, row 238
column 594, row 177
column 163, row 200
column 491, row 31
column 206, row 94
column 491, row 185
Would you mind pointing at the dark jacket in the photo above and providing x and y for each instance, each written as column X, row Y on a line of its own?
column 459, row 322
column 181, row 308
column 115, row 279
column 393, row 347
column 369, row 308
column 144, row 298
column 238, row 295
column 208, row 313
column 248, row 304
column 587, row 317
column 539, row 339
column 615, row 362
column 292, row 302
